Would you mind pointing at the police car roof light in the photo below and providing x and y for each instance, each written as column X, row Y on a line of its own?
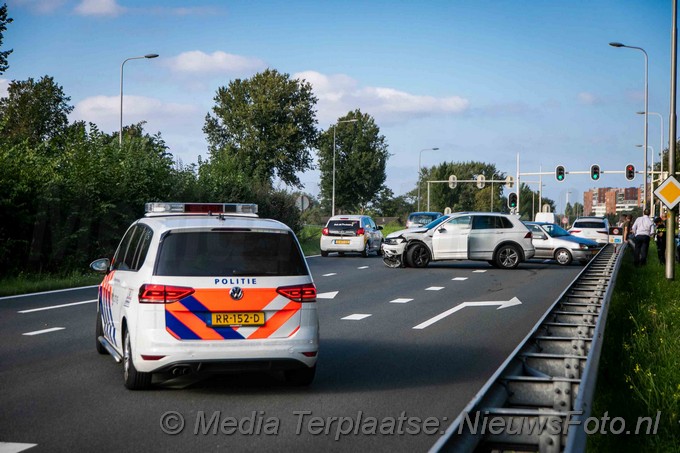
column 200, row 208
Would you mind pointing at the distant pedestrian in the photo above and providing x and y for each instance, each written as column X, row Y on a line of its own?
column 643, row 229
column 627, row 235
column 660, row 239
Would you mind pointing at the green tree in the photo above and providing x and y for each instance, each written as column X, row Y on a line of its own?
column 266, row 126
column 466, row 196
column 33, row 111
column 4, row 20
column 360, row 160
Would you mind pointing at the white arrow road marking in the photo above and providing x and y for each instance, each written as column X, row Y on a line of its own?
column 356, row 317
column 434, row 288
column 40, row 332
column 439, row 317
column 400, row 301
column 12, row 447
column 459, row 279
column 330, row 295
column 362, row 267
column 57, row 306
column 329, row 275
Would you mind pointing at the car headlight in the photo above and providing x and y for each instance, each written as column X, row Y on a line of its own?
column 583, row 246
column 394, row 241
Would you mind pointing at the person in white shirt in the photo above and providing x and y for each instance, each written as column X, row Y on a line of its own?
column 643, row 228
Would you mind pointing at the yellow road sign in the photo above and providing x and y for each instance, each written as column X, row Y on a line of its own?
column 669, row 192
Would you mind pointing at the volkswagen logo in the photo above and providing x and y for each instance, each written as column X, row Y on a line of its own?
column 236, row 293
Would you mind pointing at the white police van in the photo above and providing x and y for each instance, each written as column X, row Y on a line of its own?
column 211, row 287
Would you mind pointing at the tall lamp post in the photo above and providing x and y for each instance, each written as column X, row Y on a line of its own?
column 419, row 167
column 120, row 133
column 646, row 113
column 333, row 196
column 651, row 189
column 660, row 147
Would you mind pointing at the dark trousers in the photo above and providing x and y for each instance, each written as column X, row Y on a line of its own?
column 661, row 249
column 641, row 249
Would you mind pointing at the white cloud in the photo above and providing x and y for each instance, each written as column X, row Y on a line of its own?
column 587, row 98
column 196, row 62
column 104, row 111
column 41, row 6
column 107, row 8
column 339, row 94
column 4, row 86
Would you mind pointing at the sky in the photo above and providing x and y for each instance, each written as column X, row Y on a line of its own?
column 495, row 81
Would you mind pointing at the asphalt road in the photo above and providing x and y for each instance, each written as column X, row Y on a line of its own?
column 381, row 384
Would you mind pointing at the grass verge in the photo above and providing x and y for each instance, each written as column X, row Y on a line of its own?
column 34, row 283
column 639, row 372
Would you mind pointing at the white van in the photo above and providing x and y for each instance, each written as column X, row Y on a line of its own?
column 548, row 217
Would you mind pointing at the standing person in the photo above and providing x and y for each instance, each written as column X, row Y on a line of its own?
column 643, row 229
column 660, row 239
column 627, row 219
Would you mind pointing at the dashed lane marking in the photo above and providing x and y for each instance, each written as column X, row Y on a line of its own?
column 13, row 447
column 434, row 288
column 40, row 332
column 459, row 279
column 479, row 271
column 400, row 301
column 329, row 295
column 356, row 317
column 362, row 267
column 58, row 306
column 329, row 275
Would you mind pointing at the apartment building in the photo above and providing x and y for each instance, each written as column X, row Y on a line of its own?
column 608, row 200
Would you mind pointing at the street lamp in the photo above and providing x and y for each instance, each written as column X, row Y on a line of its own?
column 419, row 160
column 661, row 157
column 646, row 112
column 651, row 190
column 120, row 133
column 333, row 196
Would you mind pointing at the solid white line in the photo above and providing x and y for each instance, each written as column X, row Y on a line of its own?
column 40, row 332
column 356, row 317
column 400, row 301
column 434, row 288
column 47, row 292
column 13, row 447
column 57, row 306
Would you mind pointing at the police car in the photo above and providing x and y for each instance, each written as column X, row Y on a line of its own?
column 208, row 287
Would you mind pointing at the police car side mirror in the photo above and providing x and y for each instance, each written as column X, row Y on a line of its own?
column 101, row 265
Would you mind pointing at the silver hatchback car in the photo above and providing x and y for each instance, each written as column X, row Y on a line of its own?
column 500, row 239
column 555, row 243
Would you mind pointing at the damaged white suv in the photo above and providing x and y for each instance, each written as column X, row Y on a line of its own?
column 500, row 239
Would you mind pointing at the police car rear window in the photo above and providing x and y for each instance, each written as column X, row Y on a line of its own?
column 229, row 253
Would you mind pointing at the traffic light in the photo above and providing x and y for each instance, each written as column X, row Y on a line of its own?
column 559, row 173
column 630, row 172
column 595, row 172
column 453, row 181
column 512, row 200
column 481, row 181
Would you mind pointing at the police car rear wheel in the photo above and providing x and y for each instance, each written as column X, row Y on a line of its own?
column 134, row 380
column 99, row 332
column 300, row 376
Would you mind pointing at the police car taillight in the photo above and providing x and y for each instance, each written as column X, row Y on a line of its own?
column 299, row 293
column 162, row 294
column 200, row 208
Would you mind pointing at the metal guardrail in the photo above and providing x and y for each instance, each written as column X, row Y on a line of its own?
column 539, row 398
